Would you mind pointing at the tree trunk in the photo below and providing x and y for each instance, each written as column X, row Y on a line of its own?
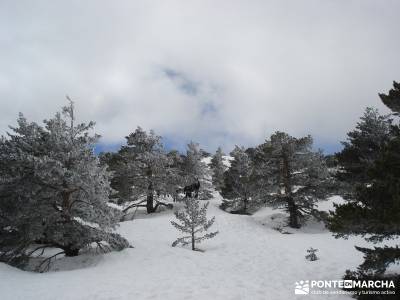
column 150, row 199
column 193, row 245
column 292, row 208
column 66, row 205
column 149, row 204
column 193, row 238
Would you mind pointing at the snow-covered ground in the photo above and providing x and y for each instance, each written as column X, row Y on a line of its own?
column 247, row 260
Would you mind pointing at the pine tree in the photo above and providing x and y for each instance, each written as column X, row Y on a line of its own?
column 148, row 167
column 373, row 210
column 392, row 99
column 193, row 221
column 176, row 179
column 194, row 167
column 196, row 170
column 363, row 146
column 121, row 179
column 218, row 169
column 238, row 184
column 289, row 174
column 53, row 190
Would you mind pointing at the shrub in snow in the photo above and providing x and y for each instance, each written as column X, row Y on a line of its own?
column 311, row 256
column 53, row 191
column 193, row 222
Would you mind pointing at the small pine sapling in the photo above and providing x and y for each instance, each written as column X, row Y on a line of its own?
column 311, row 256
column 193, row 219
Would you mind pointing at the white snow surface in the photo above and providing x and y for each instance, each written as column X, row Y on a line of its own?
column 246, row 260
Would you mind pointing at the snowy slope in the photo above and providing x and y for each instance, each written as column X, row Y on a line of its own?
column 277, row 218
column 245, row 261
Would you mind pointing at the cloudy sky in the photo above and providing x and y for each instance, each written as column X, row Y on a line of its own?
column 217, row 72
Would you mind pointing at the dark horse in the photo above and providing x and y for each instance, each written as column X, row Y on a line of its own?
column 193, row 188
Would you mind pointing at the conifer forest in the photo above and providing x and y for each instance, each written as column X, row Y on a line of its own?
column 204, row 150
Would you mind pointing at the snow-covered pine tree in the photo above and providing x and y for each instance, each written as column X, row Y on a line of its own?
column 149, row 168
column 176, row 179
column 53, row 190
column 373, row 211
column 218, row 169
column 121, row 179
column 392, row 99
column 195, row 169
column 238, row 186
column 289, row 174
column 363, row 146
column 193, row 221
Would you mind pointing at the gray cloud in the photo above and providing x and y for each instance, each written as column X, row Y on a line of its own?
column 220, row 72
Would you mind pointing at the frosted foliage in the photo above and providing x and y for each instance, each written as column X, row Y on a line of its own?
column 194, row 167
column 53, row 189
column 290, row 174
column 193, row 223
column 153, row 173
column 148, row 163
column 218, row 169
column 239, row 185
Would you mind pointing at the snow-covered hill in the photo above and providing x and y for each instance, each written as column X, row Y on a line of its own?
column 247, row 260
